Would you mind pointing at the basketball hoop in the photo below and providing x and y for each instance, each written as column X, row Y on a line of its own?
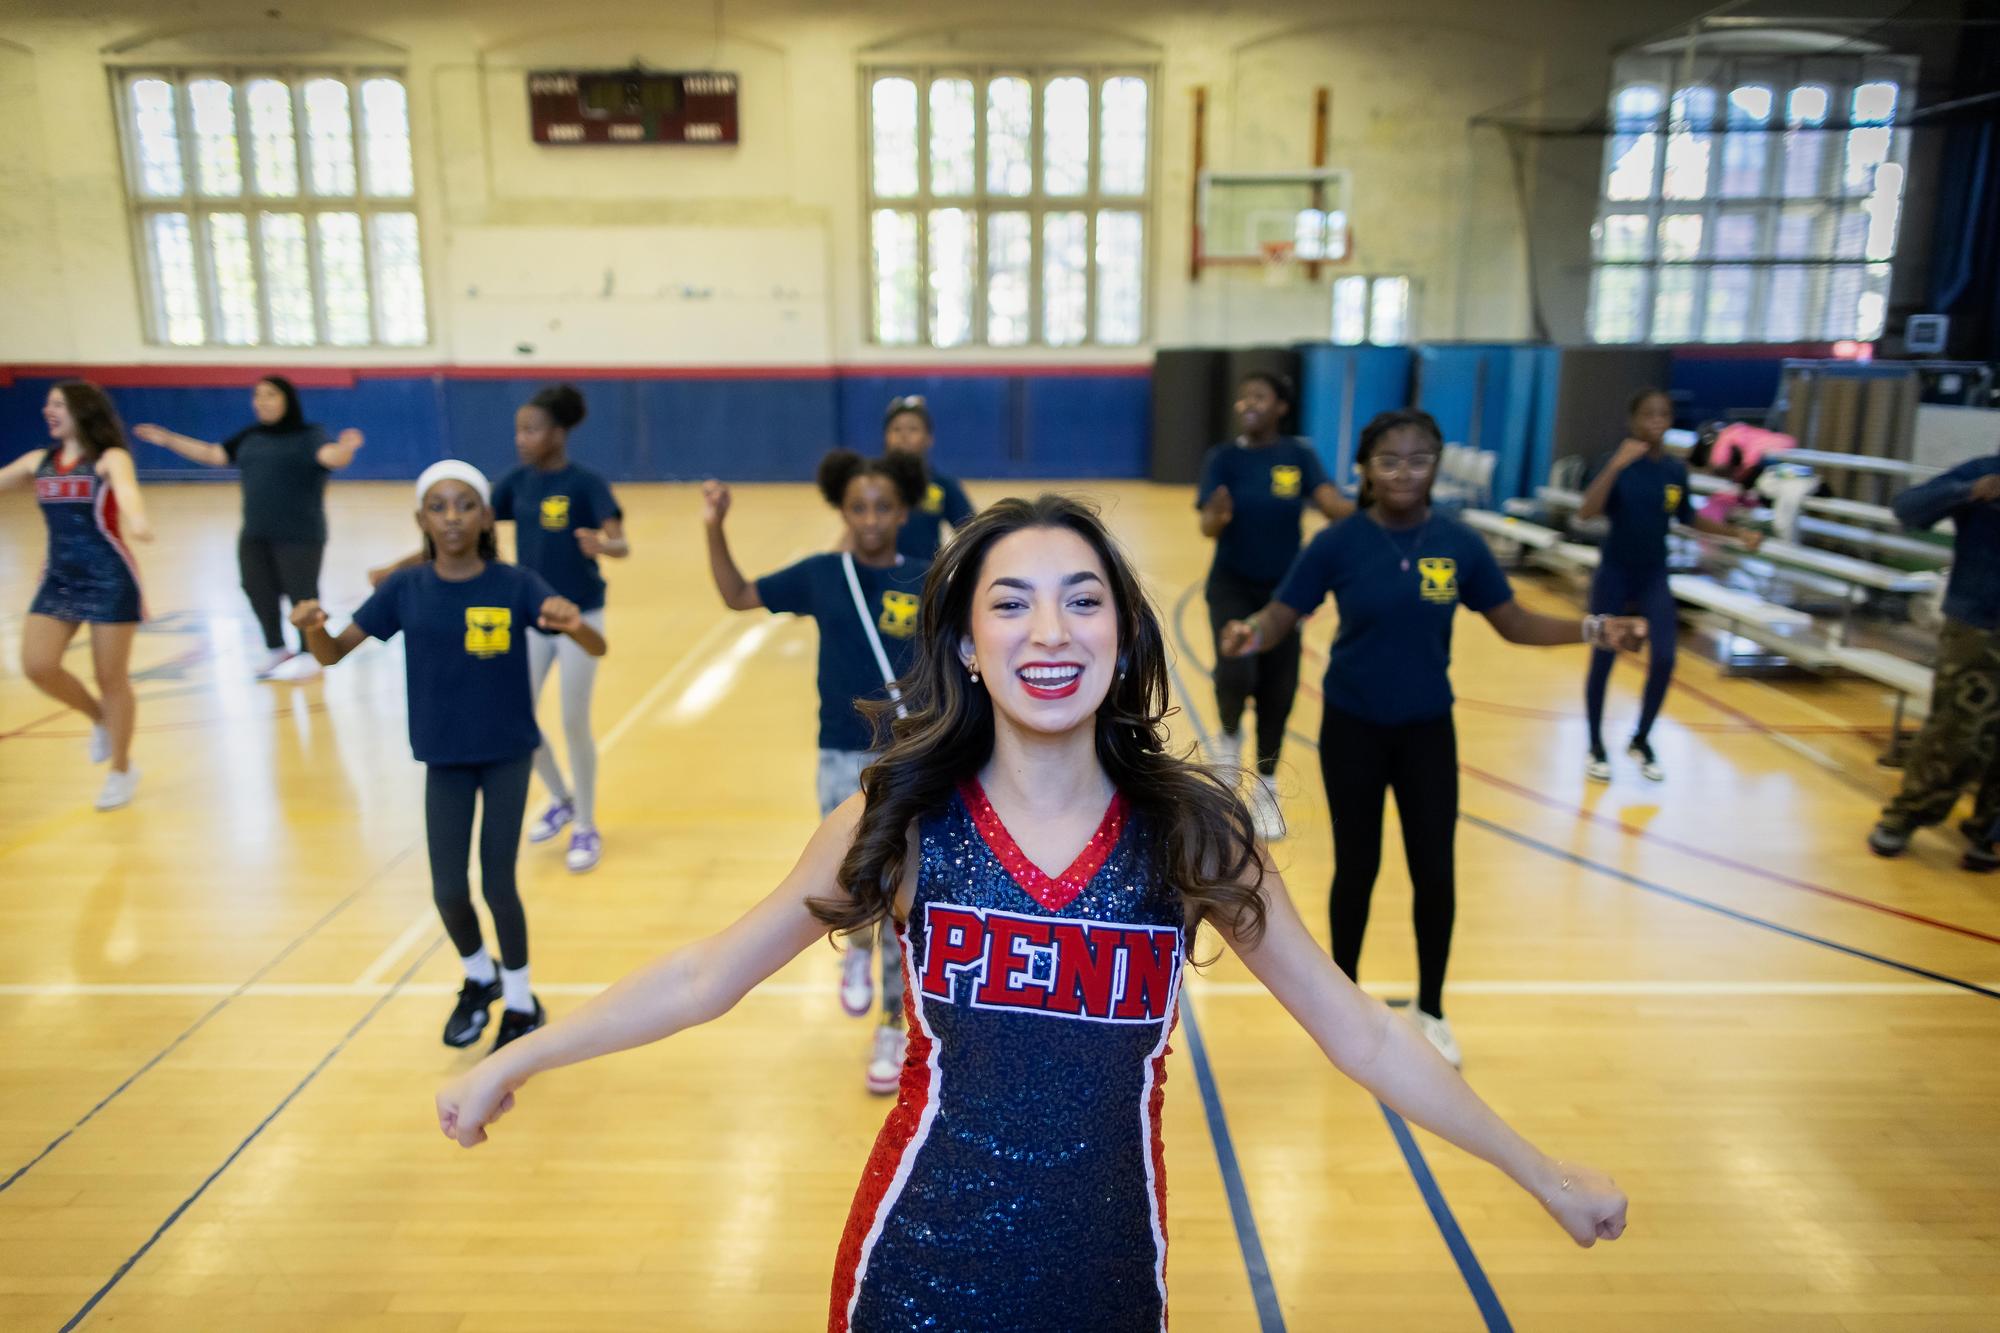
column 1277, row 256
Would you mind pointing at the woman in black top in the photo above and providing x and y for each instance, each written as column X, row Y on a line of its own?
column 284, row 462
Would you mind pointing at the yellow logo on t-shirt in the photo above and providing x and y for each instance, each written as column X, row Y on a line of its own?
column 1673, row 499
column 488, row 630
column 1285, row 482
column 555, row 512
column 933, row 499
column 899, row 614
column 1440, row 578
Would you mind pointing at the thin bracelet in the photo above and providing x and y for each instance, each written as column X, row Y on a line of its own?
column 1593, row 631
column 1562, row 1188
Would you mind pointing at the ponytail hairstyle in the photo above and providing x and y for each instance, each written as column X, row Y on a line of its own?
column 1204, row 842
column 98, row 429
column 906, row 473
column 562, row 404
column 1407, row 418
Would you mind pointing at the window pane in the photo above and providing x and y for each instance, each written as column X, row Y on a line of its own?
column 180, row 286
column 1632, row 160
column 330, row 140
column 1691, row 145
column 1871, row 109
column 235, row 279
column 1638, row 107
column 1874, row 104
column 1746, row 147
column 1805, row 142
column 1065, row 260
column 1680, row 236
column 1729, row 292
column 893, row 126
column 1121, row 250
column 953, row 259
column 1389, row 312
column 274, row 152
column 895, row 243
column 1872, row 307
column 1350, row 310
column 951, row 136
column 212, row 114
column 385, row 119
column 158, row 141
column 1673, row 306
column 1843, row 302
column 1624, row 236
column 1123, row 162
column 288, row 278
column 1788, row 313
column 1735, row 236
column 1066, row 136
column 1616, row 316
column 399, row 278
column 1009, row 130
column 1798, row 232
column 1850, row 233
column 344, row 278
column 1883, row 209
column 1009, row 252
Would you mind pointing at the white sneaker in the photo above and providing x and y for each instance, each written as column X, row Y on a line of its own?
column 857, row 980
column 1649, row 764
column 299, row 666
column 100, row 742
column 586, row 848
column 118, row 788
column 1225, row 750
column 1438, row 1033
column 273, row 659
column 885, row 1062
column 1597, row 768
column 1265, row 812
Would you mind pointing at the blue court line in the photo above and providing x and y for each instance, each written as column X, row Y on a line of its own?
column 1483, row 1294
column 1469, row 1268
column 1613, row 872
column 203, row 1021
column 229, row 1161
column 1269, row 1317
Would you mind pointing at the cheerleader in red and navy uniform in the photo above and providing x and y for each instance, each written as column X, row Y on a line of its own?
column 89, row 495
column 1018, row 1183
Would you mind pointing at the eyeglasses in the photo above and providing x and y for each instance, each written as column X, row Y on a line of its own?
column 1391, row 465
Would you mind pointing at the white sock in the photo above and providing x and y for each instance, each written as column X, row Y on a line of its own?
column 478, row 966
column 514, row 990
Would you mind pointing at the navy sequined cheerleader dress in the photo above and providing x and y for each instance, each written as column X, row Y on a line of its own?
column 1018, row 1183
column 90, row 575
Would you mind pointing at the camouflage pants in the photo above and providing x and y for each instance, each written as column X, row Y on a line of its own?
column 1960, row 741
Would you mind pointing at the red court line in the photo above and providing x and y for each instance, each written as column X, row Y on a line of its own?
column 1717, row 858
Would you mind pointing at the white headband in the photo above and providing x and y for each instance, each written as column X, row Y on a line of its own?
column 453, row 469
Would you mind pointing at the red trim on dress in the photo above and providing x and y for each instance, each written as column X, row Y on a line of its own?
column 1054, row 894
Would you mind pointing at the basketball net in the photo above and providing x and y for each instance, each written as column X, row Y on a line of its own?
column 1277, row 259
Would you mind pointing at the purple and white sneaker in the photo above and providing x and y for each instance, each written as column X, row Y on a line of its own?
column 553, row 821
column 585, row 848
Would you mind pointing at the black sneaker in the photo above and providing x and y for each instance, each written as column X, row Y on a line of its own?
column 469, row 1017
column 1980, row 858
column 1974, row 831
column 514, row 1024
column 1885, row 839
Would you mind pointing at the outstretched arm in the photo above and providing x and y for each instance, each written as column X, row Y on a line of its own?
column 338, row 454
column 187, row 446
column 17, row 472
column 608, row 541
column 1517, row 624
column 561, row 615
column 1392, row 1060
column 738, row 593
column 1242, row 638
column 692, row 985
column 309, row 618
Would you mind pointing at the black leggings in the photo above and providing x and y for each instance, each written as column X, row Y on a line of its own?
column 1419, row 762
column 271, row 569
column 1270, row 677
column 449, row 791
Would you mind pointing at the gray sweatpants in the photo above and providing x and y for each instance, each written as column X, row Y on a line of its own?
column 839, row 778
column 579, row 678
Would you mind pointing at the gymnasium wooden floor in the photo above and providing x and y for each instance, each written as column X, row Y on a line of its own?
column 220, row 1006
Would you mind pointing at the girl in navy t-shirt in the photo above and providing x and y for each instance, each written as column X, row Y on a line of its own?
column 465, row 618
column 870, row 578
column 1253, row 496
column 1399, row 572
column 907, row 429
column 1643, row 491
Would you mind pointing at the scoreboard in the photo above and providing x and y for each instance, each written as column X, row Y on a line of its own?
column 631, row 106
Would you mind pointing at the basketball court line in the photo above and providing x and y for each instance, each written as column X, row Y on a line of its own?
column 1270, row 1317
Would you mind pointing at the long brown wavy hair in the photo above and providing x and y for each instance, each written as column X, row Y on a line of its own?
column 97, row 425
column 1208, row 846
